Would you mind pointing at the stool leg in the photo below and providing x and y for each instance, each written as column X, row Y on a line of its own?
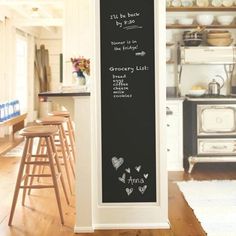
column 41, row 151
column 71, row 128
column 64, row 156
column 71, row 139
column 27, row 169
column 50, row 155
column 18, row 182
column 59, row 170
column 38, row 151
column 68, row 151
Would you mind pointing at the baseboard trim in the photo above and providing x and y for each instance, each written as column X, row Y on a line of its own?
column 78, row 229
column 163, row 225
column 176, row 169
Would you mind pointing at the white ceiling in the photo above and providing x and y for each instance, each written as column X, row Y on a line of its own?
column 31, row 13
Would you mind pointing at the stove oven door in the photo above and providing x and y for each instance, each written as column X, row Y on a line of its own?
column 217, row 119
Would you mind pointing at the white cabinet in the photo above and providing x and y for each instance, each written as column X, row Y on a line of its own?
column 174, row 134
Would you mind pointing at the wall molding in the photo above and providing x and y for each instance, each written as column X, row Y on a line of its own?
column 78, row 229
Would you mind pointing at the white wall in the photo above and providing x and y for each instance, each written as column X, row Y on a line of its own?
column 77, row 39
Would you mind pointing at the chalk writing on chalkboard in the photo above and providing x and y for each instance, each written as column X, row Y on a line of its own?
column 127, row 20
column 128, row 45
column 121, row 77
column 132, row 184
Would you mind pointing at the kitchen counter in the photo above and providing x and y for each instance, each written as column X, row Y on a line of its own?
column 63, row 94
column 60, row 100
column 204, row 98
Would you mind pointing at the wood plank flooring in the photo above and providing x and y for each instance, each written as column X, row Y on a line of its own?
column 39, row 217
column 8, row 143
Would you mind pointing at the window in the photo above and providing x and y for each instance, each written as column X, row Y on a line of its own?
column 21, row 86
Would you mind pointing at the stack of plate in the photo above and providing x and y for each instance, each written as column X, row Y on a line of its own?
column 219, row 38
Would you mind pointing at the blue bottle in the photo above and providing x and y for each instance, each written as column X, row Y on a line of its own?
column 17, row 106
column 1, row 113
column 11, row 109
column 7, row 110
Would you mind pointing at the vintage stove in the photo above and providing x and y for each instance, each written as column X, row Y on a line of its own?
column 209, row 129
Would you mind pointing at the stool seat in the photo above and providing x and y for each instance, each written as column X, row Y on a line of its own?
column 51, row 120
column 69, row 129
column 60, row 113
column 38, row 131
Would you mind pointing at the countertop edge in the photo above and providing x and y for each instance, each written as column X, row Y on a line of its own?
column 63, row 94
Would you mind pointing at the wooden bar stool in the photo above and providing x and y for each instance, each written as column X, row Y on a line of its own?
column 69, row 128
column 61, row 143
column 30, row 160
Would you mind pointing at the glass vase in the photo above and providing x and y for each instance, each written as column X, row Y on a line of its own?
column 81, row 80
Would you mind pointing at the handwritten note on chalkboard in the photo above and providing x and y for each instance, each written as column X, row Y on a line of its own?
column 128, row 101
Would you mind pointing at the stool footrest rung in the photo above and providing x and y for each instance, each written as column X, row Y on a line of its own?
column 40, row 175
column 39, row 155
column 38, row 186
column 41, row 163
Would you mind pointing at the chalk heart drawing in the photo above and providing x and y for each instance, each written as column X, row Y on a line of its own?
column 138, row 168
column 142, row 189
column 122, row 179
column 127, row 170
column 129, row 190
column 117, row 162
column 145, row 176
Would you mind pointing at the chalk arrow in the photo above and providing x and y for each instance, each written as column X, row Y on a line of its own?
column 140, row 53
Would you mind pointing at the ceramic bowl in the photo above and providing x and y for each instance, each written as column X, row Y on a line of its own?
column 227, row 3
column 205, row 19
column 216, row 3
column 197, row 92
column 176, row 3
column 185, row 21
column 192, row 35
column 219, row 41
column 218, row 35
column 225, row 20
column 192, row 42
column 186, row 3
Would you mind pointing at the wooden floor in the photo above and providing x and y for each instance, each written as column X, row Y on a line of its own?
column 39, row 217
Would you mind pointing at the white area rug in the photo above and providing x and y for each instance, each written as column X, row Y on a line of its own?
column 214, row 205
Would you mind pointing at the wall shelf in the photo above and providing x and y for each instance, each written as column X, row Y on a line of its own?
column 196, row 8
column 178, row 26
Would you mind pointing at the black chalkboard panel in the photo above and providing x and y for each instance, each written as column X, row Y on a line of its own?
column 128, row 101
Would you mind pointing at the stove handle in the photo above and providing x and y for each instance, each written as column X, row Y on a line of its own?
column 219, row 147
column 168, row 111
